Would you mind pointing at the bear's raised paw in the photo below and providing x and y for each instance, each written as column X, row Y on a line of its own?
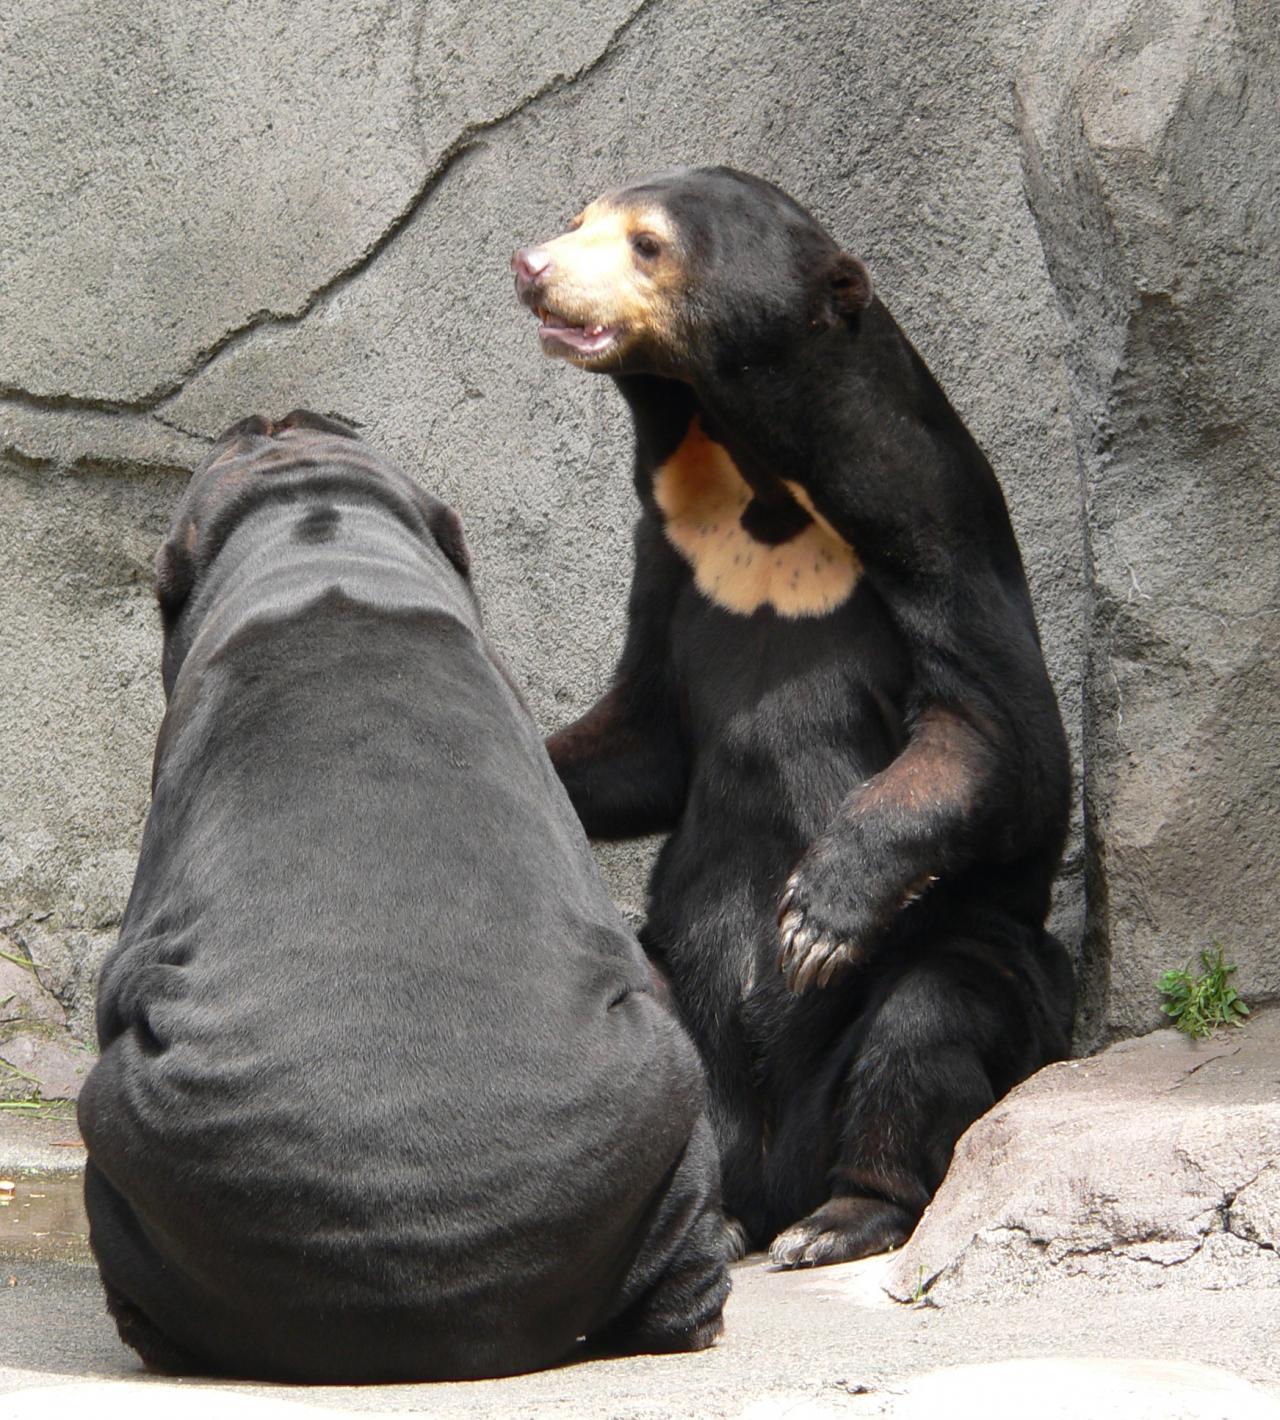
column 823, row 928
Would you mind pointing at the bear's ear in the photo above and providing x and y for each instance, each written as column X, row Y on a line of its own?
column 175, row 576
column 446, row 528
column 849, row 288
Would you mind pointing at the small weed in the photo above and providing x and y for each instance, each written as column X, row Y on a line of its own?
column 1200, row 1004
column 920, row 1296
column 64, row 1110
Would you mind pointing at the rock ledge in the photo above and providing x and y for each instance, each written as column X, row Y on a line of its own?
column 1154, row 1164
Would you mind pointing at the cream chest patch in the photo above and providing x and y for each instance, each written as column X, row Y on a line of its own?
column 703, row 497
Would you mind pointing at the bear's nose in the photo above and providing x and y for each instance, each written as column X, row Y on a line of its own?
column 530, row 265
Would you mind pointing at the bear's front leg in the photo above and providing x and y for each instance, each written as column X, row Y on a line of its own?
column 841, row 897
column 893, row 837
column 622, row 768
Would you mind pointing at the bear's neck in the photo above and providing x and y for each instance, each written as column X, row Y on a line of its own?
column 661, row 414
column 834, row 393
column 844, row 418
column 666, row 414
column 749, row 545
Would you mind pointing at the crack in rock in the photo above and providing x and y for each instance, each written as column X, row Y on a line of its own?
column 90, row 464
column 181, row 428
column 1224, row 1054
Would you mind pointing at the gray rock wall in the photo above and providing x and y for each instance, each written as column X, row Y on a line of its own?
column 207, row 211
column 1149, row 132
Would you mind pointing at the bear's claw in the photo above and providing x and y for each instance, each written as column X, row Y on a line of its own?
column 809, row 954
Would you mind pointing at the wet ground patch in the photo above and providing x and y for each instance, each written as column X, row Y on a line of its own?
column 42, row 1216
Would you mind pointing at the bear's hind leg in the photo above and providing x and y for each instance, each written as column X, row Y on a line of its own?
column 155, row 1350
column 125, row 1257
column 943, row 1037
column 676, row 1291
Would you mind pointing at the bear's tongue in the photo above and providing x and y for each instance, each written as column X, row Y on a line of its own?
column 583, row 340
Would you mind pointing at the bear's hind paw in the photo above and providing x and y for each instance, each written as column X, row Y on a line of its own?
column 843, row 1229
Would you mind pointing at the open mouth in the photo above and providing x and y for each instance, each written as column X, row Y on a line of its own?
column 560, row 338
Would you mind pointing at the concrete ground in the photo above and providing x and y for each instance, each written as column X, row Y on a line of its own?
column 807, row 1345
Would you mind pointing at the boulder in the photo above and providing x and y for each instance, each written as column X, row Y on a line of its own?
column 23, row 998
column 1155, row 1164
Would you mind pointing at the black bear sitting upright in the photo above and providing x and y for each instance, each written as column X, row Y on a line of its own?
column 831, row 696
column 386, row 1092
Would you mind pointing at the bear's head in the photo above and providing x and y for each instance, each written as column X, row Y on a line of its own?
column 688, row 271
column 293, row 460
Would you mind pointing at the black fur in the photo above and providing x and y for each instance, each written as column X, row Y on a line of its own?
column 889, row 779
column 385, row 1092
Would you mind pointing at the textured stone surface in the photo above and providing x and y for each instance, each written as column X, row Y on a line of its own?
column 795, row 1348
column 23, row 999
column 51, row 1067
column 199, row 174
column 1067, row 1390
column 214, row 210
column 1153, row 1165
column 1007, row 1390
column 82, row 703
column 1153, row 175
column 46, row 1143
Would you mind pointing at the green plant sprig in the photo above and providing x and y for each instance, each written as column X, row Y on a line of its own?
column 1199, row 1004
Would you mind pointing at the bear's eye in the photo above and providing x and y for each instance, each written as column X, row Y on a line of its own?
column 645, row 244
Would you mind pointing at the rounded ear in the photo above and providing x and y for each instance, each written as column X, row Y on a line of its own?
column 446, row 528
column 175, row 576
column 849, row 287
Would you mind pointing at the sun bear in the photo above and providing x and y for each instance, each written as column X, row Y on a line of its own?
column 387, row 1090
column 831, row 699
